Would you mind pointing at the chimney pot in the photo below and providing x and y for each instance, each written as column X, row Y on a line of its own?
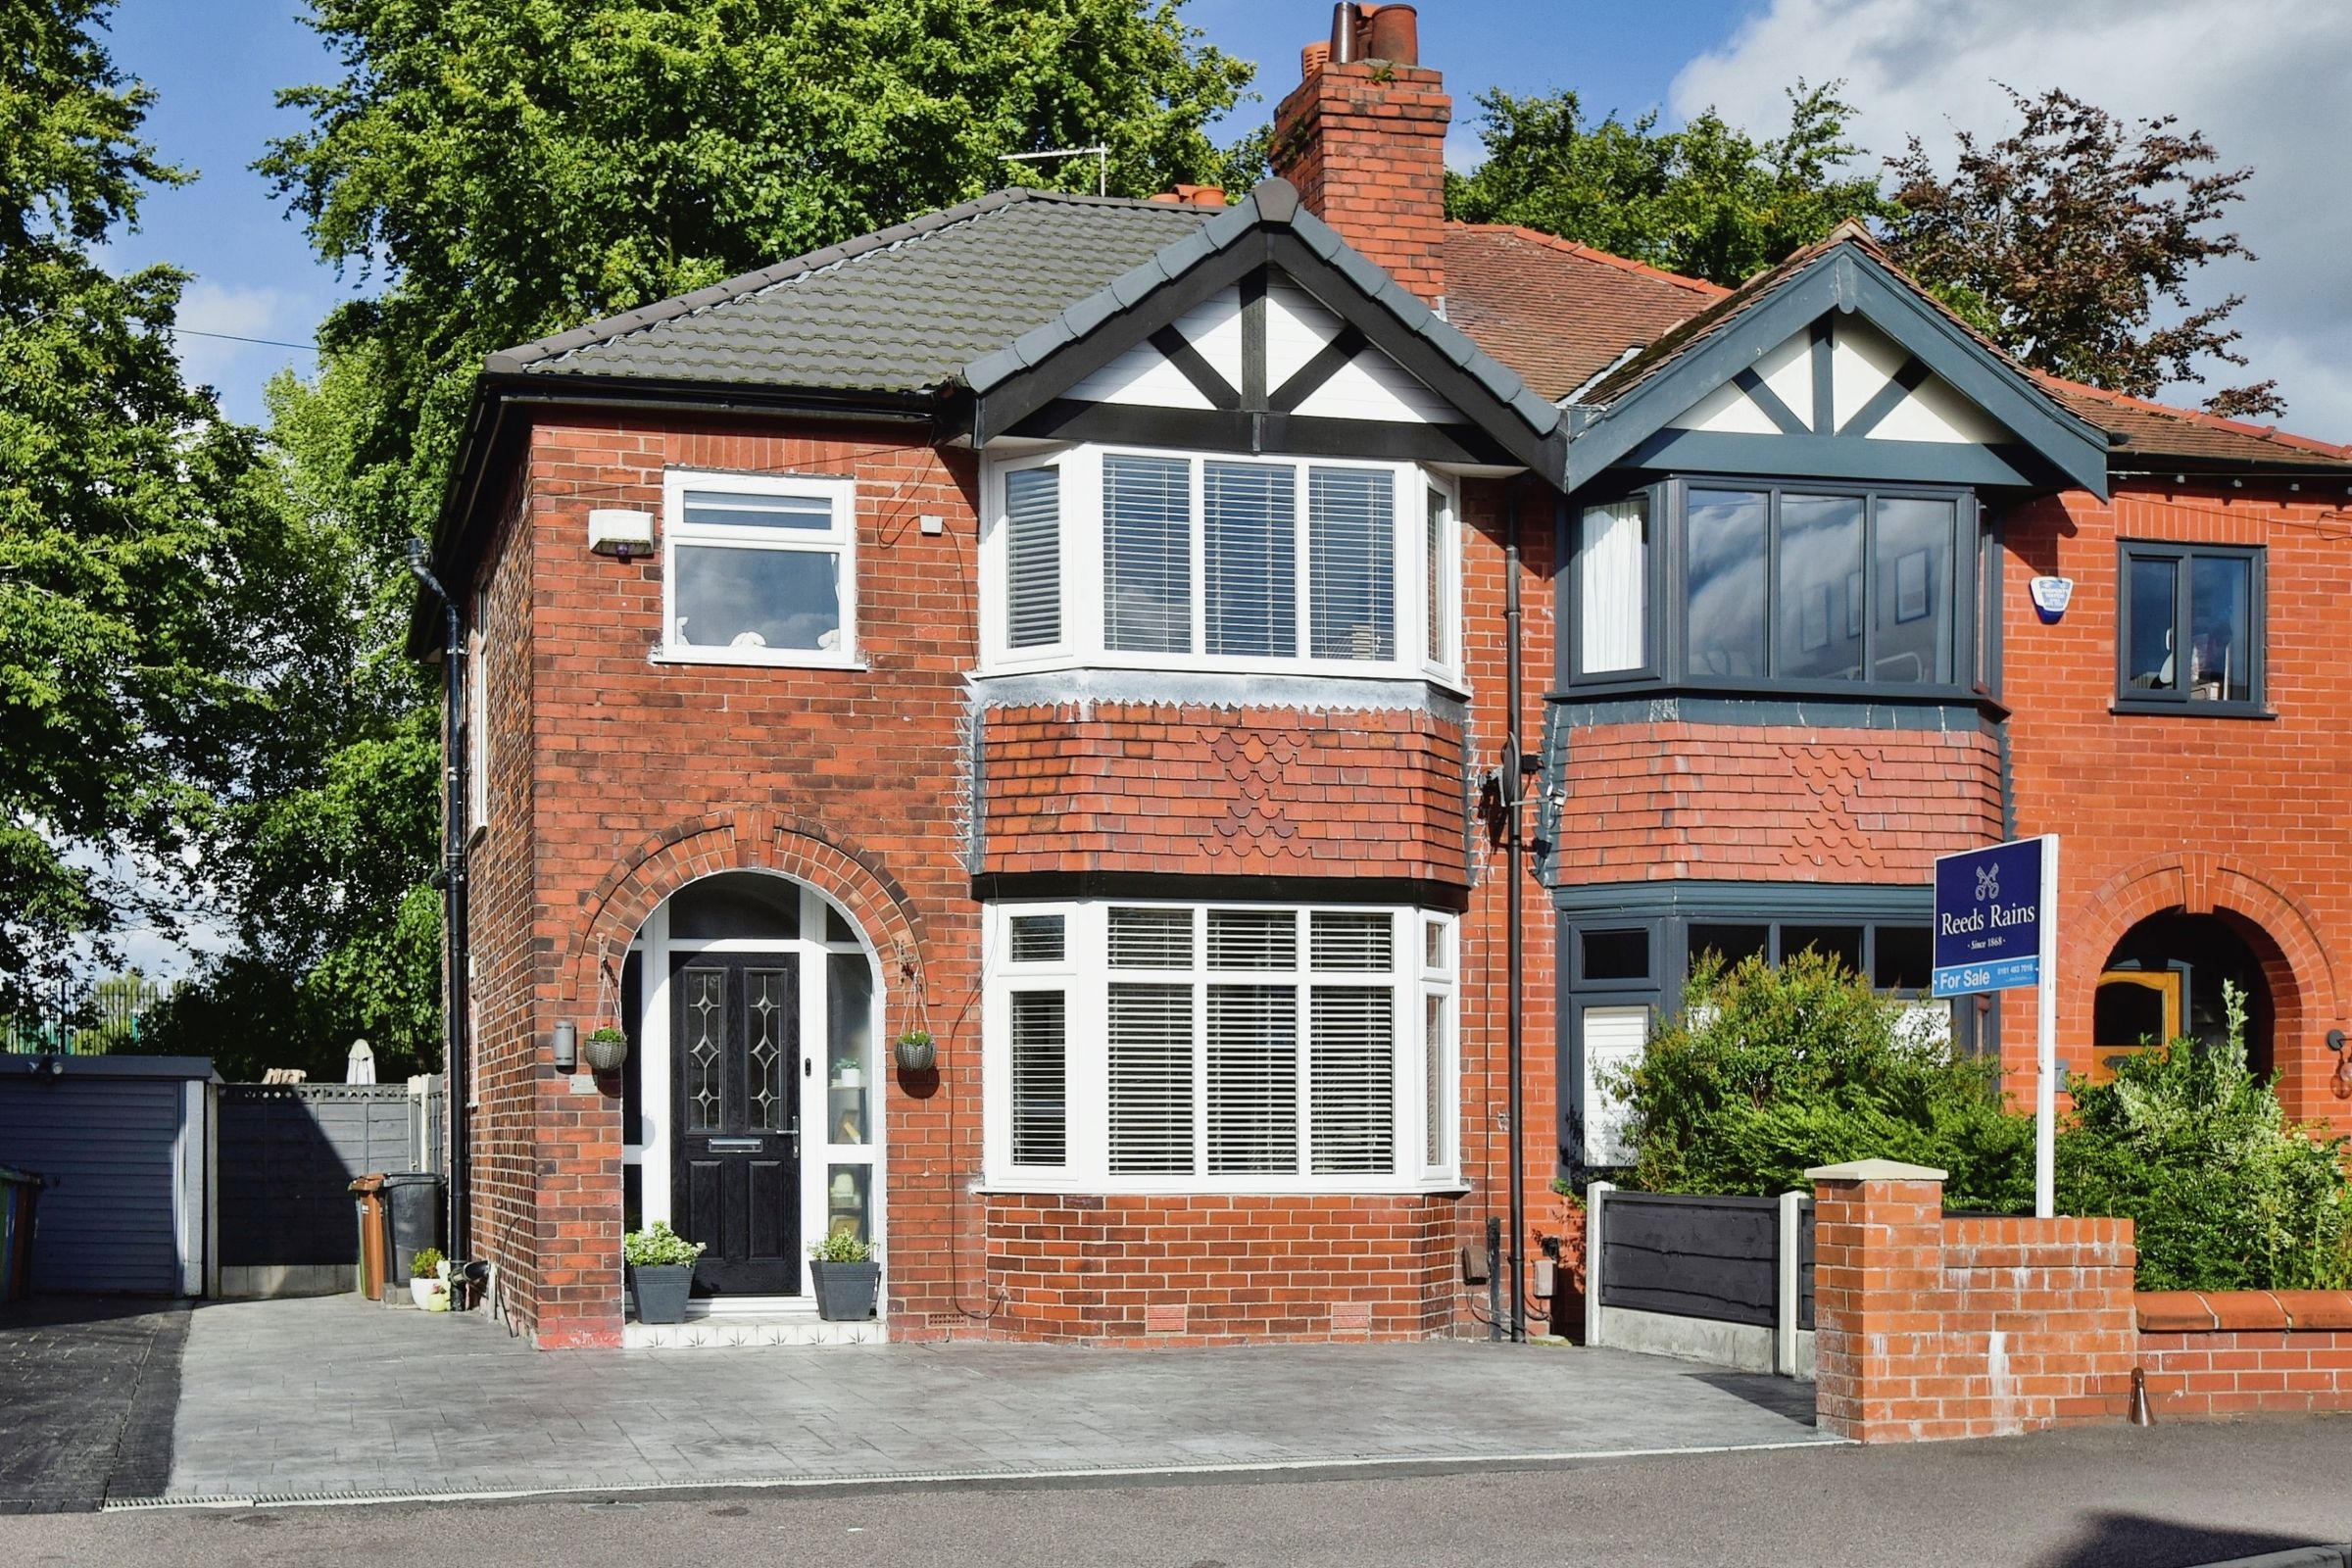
column 1312, row 59
column 1393, row 33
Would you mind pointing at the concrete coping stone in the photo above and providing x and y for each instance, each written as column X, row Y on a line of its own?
column 2244, row 1311
column 1875, row 1170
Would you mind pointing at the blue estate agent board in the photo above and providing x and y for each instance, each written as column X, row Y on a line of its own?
column 1990, row 908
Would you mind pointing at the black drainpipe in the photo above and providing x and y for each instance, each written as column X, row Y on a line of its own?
column 454, row 831
column 1511, row 789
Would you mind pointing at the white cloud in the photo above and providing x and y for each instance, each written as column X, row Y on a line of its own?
column 240, row 369
column 2263, row 79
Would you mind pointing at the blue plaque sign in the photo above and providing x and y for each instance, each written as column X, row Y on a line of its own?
column 1991, row 911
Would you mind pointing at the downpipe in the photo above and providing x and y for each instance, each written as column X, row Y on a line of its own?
column 454, row 834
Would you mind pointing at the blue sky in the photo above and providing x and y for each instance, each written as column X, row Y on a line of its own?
column 216, row 64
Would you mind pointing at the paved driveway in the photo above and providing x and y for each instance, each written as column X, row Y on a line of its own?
column 88, row 1385
column 286, row 1400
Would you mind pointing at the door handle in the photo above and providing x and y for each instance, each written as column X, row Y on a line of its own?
column 796, row 1140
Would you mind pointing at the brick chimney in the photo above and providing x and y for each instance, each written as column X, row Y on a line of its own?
column 1364, row 138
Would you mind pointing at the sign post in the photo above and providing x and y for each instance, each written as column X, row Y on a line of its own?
column 1996, row 927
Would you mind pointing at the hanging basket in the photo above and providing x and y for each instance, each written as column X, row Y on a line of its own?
column 602, row 1052
column 915, row 1052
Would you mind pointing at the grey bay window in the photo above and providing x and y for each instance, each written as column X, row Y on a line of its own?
column 2190, row 636
column 1196, row 562
column 1772, row 586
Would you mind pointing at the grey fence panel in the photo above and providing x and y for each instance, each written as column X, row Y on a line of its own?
column 111, row 1223
column 287, row 1155
column 1804, row 1265
column 1704, row 1258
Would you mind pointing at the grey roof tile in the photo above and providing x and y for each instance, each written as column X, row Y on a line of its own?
column 901, row 311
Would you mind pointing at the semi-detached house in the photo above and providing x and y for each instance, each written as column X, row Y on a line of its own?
column 1082, row 629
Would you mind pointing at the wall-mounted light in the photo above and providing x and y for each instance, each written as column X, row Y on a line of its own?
column 568, row 1046
column 621, row 531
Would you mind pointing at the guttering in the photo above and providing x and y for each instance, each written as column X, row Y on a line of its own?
column 456, row 1032
column 1515, row 1026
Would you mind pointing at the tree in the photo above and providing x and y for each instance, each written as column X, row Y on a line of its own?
column 140, row 554
column 2061, row 240
column 1707, row 201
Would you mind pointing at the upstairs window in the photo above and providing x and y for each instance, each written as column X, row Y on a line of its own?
column 1775, row 586
column 2191, row 631
column 1165, row 561
column 759, row 571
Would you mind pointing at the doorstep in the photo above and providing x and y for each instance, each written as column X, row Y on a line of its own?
column 741, row 1324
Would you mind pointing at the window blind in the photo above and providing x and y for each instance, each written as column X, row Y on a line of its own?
column 1040, row 1078
column 1438, row 1132
column 1037, row 939
column 1351, row 574
column 1353, row 1080
column 1252, row 939
column 1250, row 559
column 1147, row 554
column 1440, row 577
column 1613, row 585
column 1033, row 558
column 1151, row 1037
column 1150, row 939
column 1345, row 940
column 1253, row 1079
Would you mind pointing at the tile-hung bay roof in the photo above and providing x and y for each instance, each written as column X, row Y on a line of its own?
column 899, row 310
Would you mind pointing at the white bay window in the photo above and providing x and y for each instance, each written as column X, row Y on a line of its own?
column 1137, row 1046
column 1169, row 561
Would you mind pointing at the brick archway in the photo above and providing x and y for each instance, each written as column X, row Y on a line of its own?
column 2302, row 975
column 746, row 840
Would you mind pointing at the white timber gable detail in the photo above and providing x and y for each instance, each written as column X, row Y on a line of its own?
column 1842, row 376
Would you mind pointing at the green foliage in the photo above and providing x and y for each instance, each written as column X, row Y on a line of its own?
column 842, row 1247
column 609, row 1033
column 2062, row 240
column 658, row 1245
column 1771, row 1072
column 1707, row 201
column 426, row 1264
column 2224, row 1192
column 138, row 545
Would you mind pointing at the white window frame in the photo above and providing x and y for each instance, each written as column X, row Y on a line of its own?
column 1081, row 644
column 1084, row 977
column 840, row 540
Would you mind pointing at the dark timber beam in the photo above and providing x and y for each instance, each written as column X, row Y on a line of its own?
column 1887, row 398
column 1179, row 351
column 1765, row 397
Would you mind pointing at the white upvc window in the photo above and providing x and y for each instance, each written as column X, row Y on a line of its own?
column 758, row 569
column 1143, row 1046
column 1144, row 558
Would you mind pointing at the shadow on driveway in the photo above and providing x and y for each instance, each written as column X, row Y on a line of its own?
column 92, row 1382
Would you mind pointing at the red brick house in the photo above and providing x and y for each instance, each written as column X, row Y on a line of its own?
column 1082, row 630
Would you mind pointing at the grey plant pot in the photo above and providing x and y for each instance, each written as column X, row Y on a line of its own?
column 915, row 1055
column 604, row 1055
column 846, row 1291
column 661, row 1290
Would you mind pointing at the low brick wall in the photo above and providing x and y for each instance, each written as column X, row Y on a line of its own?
column 1200, row 1270
column 2219, row 1354
column 1931, row 1328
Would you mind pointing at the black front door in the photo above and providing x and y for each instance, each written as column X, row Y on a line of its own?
column 735, row 1104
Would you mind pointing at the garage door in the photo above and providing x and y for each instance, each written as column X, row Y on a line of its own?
column 127, row 1212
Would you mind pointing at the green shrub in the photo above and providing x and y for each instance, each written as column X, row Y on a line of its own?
column 2223, row 1192
column 658, row 1247
column 1773, row 1070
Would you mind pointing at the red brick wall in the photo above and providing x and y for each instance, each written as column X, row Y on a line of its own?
column 1365, row 144
column 1931, row 1328
column 2220, row 1354
column 1145, row 787
column 619, row 779
column 1223, row 1269
column 1661, row 800
column 2243, row 817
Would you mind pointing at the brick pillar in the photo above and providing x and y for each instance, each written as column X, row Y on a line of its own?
column 1877, row 1283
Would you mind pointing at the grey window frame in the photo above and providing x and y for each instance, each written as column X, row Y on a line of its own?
column 2130, row 699
column 1666, row 636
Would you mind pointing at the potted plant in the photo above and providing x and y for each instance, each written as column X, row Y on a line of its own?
column 428, row 1280
column 846, row 1277
column 661, row 1271
column 605, row 1049
column 915, row 1051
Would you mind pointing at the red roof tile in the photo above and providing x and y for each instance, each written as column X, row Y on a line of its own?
column 1555, row 312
